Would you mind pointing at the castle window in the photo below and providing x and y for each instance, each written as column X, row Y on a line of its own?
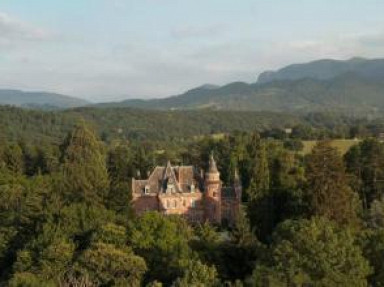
column 146, row 189
column 170, row 188
column 175, row 204
column 215, row 194
column 192, row 188
column 184, row 203
column 193, row 203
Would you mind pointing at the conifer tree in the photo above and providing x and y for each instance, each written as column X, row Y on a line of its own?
column 120, row 171
column 259, row 170
column 260, row 201
column 13, row 158
column 366, row 162
column 84, row 168
column 327, row 190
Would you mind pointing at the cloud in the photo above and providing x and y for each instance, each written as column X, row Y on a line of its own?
column 374, row 40
column 337, row 46
column 15, row 30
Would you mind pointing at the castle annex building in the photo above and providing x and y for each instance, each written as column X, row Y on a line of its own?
column 183, row 191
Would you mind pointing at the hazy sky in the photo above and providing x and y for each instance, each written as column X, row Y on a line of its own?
column 114, row 49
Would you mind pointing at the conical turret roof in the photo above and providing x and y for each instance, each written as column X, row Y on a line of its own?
column 212, row 165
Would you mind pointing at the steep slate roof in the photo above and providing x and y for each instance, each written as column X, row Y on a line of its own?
column 181, row 176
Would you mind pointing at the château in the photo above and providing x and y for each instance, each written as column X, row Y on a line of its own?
column 182, row 190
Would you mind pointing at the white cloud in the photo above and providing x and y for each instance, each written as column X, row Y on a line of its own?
column 15, row 30
column 340, row 46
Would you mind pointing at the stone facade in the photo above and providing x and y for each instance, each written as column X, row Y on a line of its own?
column 183, row 191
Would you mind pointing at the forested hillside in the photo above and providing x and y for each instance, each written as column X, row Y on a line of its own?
column 138, row 124
column 66, row 218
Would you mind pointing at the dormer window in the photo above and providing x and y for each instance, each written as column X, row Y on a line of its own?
column 170, row 188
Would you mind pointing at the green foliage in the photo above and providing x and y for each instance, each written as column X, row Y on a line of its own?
column 121, row 169
column 164, row 244
column 111, row 265
column 366, row 162
column 303, row 252
column 66, row 218
column 12, row 157
column 372, row 242
column 199, row 275
column 85, row 172
column 26, row 279
column 327, row 188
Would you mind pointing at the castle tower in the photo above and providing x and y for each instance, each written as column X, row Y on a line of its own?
column 213, row 193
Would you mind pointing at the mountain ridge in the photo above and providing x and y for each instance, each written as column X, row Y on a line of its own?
column 355, row 86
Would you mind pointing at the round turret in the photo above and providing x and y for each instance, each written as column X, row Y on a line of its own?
column 213, row 173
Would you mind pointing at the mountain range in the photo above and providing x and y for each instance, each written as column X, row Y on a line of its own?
column 354, row 86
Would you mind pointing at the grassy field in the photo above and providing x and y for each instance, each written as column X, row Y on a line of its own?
column 342, row 145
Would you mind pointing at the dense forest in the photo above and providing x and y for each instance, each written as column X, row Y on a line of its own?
column 37, row 126
column 306, row 220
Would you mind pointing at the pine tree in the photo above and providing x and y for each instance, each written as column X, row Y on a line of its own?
column 84, row 169
column 327, row 190
column 260, row 201
column 259, row 170
column 366, row 162
column 120, row 171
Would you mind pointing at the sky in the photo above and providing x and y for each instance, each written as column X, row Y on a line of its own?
column 108, row 50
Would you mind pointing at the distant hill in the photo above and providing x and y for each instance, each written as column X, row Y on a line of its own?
column 41, row 100
column 348, row 92
column 136, row 124
column 327, row 69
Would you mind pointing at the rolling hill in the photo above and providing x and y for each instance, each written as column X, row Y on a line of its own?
column 41, row 100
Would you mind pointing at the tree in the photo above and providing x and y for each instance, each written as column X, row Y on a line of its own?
column 111, row 265
column 376, row 214
column 13, row 158
column 259, row 169
column 287, row 178
column 327, row 189
column 198, row 274
column 315, row 252
column 164, row 244
column 85, row 172
column 120, row 170
column 372, row 242
column 260, row 200
column 366, row 162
